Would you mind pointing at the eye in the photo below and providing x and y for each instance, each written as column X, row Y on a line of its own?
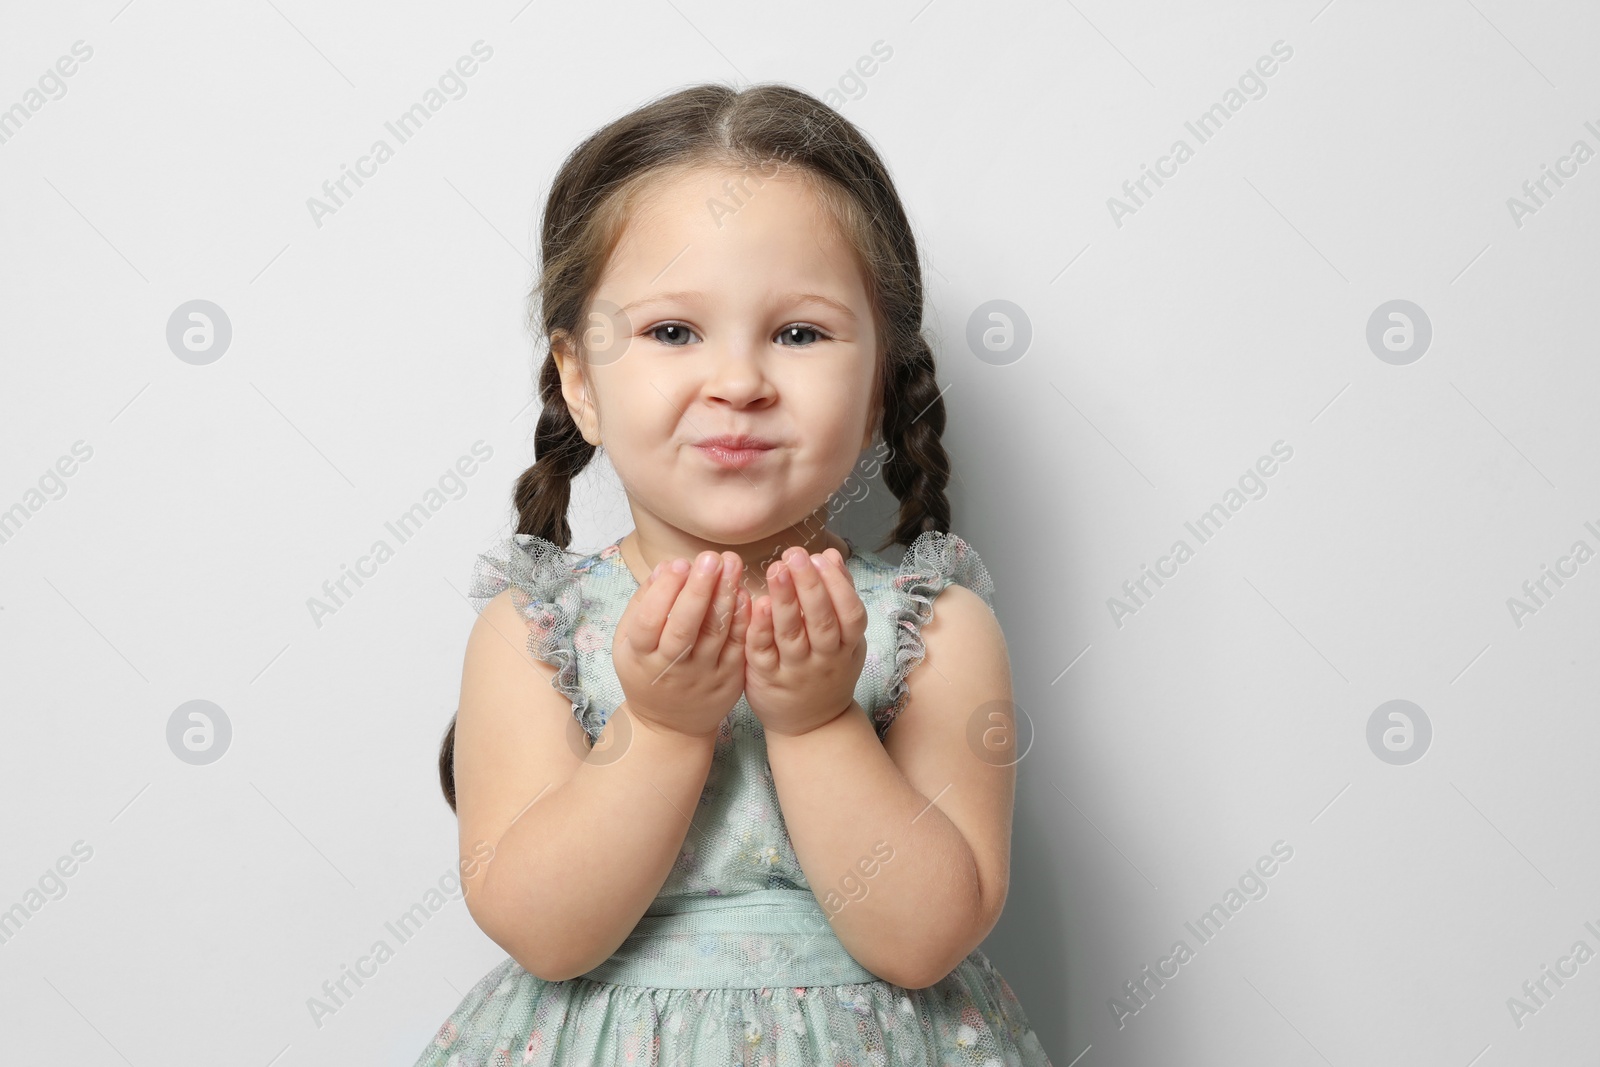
column 676, row 335
column 801, row 328
column 678, row 338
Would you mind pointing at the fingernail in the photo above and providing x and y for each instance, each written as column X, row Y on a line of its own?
column 709, row 563
column 681, row 566
column 657, row 572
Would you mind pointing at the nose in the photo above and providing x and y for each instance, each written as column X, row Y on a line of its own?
column 737, row 374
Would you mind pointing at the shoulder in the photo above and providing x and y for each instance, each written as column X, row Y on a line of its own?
column 531, row 568
column 529, row 596
column 964, row 657
column 957, row 705
column 502, row 623
column 938, row 560
column 941, row 608
column 963, row 620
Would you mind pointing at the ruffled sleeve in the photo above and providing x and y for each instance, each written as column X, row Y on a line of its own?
column 931, row 562
column 547, row 593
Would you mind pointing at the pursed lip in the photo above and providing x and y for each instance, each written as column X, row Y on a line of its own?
column 735, row 442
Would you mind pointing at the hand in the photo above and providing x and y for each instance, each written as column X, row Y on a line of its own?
column 806, row 643
column 679, row 646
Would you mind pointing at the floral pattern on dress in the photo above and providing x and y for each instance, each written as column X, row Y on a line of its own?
column 739, row 1010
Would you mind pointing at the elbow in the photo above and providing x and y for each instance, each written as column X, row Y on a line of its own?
column 937, row 969
column 546, row 957
column 531, row 946
column 563, row 966
column 910, row 981
column 534, row 954
column 915, row 971
column 548, row 970
column 920, row 976
column 931, row 968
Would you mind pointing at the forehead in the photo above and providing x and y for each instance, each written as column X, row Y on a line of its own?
column 727, row 228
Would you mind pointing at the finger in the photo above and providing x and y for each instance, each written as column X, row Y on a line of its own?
column 649, row 581
column 847, row 605
column 788, row 628
column 689, row 608
column 647, row 614
column 759, row 648
column 733, row 650
column 714, row 631
column 816, row 603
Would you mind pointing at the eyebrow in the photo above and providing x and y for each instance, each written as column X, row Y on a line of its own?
column 691, row 296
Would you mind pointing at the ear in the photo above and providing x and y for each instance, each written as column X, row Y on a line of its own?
column 574, row 389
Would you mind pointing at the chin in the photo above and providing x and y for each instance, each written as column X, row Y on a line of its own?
column 729, row 530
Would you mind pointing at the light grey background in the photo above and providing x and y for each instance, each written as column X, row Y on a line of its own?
column 1168, row 354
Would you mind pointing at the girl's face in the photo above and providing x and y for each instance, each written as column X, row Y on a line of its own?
column 731, row 305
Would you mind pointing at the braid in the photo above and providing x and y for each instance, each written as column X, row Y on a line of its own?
column 775, row 130
column 545, row 489
column 918, row 468
column 541, row 497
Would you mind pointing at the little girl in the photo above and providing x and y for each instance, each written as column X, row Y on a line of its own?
column 683, row 812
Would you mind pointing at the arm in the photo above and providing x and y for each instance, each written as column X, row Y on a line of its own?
column 923, row 792
column 578, row 847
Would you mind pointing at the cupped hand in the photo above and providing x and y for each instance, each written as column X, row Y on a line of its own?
column 806, row 643
column 678, row 649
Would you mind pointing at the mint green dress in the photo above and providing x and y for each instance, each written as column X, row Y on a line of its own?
column 734, row 962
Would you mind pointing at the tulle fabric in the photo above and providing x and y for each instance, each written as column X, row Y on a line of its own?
column 932, row 562
column 547, row 591
column 971, row 1018
column 735, row 962
column 546, row 581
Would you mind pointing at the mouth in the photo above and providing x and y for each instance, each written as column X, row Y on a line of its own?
column 734, row 451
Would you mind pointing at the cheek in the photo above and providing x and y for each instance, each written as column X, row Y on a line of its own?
column 848, row 412
column 840, row 424
column 638, row 408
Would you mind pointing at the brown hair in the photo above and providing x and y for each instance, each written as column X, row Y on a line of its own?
column 767, row 127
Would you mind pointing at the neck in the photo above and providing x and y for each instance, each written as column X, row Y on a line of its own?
column 650, row 544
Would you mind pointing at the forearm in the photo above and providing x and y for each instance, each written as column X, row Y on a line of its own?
column 842, row 798
column 575, row 872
